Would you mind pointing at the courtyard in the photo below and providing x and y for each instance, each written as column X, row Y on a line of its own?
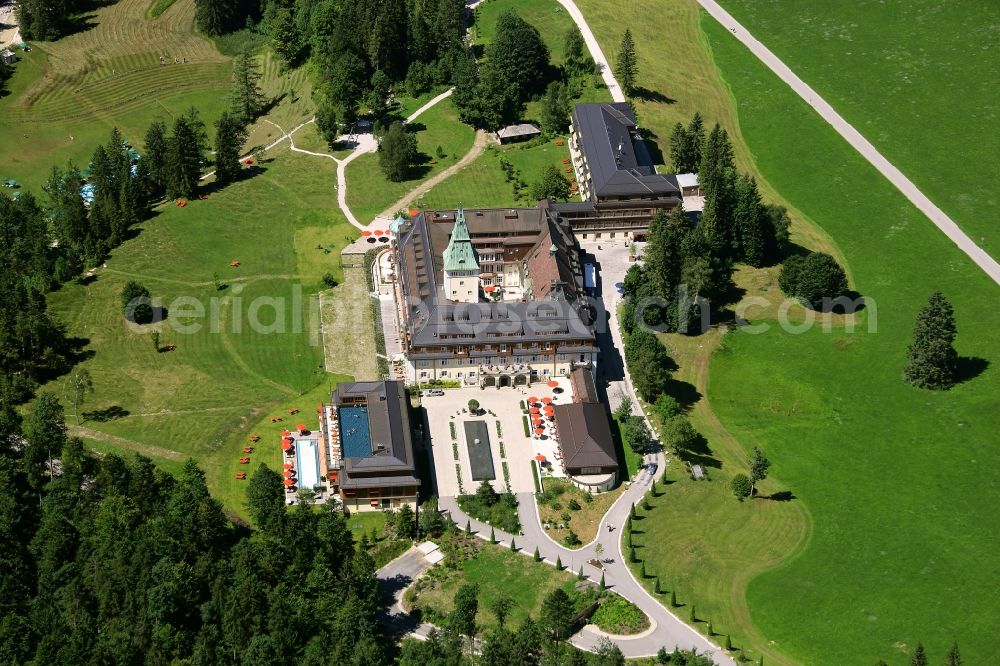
column 499, row 427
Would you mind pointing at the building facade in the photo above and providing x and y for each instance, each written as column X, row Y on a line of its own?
column 491, row 297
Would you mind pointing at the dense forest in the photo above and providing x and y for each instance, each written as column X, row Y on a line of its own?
column 112, row 561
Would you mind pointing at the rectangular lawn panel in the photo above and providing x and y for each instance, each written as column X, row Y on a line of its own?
column 477, row 441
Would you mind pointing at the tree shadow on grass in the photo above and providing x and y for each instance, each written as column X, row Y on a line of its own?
column 781, row 496
column 683, row 392
column 647, row 95
column 107, row 414
column 968, row 368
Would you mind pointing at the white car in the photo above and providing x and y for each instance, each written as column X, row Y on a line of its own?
column 430, row 393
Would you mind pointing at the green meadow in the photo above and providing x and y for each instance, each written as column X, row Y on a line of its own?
column 247, row 339
column 898, row 481
column 916, row 77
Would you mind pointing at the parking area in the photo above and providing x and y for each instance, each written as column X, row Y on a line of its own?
column 500, row 413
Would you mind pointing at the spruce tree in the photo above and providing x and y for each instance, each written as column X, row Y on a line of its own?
column 679, row 149
column 493, row 536
column 603, row 585
column 538, row 557
column 184, row 152
column 631, row 555
column 154, row 160
column 248, row 99
column 513, row 546
column 694, row 614
column 953, row 658
column 627, row 69
column 642, row 570
column 230, row 133
column 932, row 356
column 215, row 17
column 579, row 574
column 656, row 586
column 696, row 140
column 673, row 599
column 749, row 219
column 729, row 643
column 919, row 658
column 558, row 563
column 468, row 528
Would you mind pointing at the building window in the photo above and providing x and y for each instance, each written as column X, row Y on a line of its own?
column 503, row 349
column 386, row 503
column 444, row 373
column 584, row 471
column 423, row 374
column 458, row 374
column 545, row 371
column 561, row 357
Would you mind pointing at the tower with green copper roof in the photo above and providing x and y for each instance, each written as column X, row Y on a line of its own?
column 461, row 268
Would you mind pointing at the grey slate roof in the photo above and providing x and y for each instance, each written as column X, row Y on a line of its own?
column 552, row 317
column 605, row 132
column 585, row 435
column 389, row 425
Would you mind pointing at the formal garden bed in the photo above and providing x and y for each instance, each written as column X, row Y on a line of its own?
column 617, row 615
column 572, row 516
column 493, row 508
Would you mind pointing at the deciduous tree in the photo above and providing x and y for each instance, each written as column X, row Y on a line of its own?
column 759, row 465
column 551, row 184
column 397, row 152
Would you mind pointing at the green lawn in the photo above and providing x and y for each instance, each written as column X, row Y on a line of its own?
column 584, row 520
column 910, row 77
column 486, row 179
column 882, row 475
column 65, row 96
column 207, row 396
column 369, row 192
column 903, row 534
column 496, row 570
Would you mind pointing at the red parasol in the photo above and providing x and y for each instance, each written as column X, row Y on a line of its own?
column 285, row 433
column 533, row 410
column 553, row 384
column 287, row 466
column 289, row 483
column 366, row 233
column 532, row 399
column 286, row 443
column 301, row 427
column 540, row 458
column 537, row 420
column 378, row 232
column 539, row 431
column 546, row 400
column 288, row 474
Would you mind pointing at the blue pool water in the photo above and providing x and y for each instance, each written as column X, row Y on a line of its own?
column 307, row 462
column 354, row 436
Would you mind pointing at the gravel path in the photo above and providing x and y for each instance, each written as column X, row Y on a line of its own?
column 859, row 142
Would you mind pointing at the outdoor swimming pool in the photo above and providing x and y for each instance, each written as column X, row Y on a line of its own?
column 354, row 435
column 307, row 462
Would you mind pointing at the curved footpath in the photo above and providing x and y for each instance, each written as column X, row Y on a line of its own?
column 857, row 141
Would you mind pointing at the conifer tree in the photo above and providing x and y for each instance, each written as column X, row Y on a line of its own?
column 749, row 219
column 919, row 657
column 230, row 133
column 953, row 658
column 248, row 99
column 932, row 356
column 627, row 69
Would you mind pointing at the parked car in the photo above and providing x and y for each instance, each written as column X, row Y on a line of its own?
column 430, row 393
column 651, row 468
